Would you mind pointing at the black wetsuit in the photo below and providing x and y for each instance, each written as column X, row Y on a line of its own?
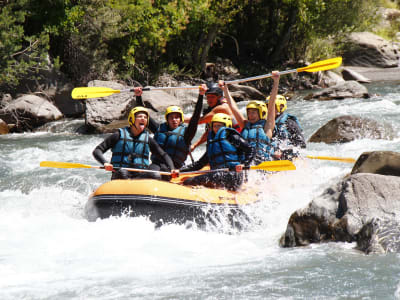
column 110, row 141
column 189, row 134
column 230, row 180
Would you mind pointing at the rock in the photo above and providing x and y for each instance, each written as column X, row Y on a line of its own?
column 68, row 106
column 377, row 74
column 378, row 162
column 348, row 128
column 344, row 212
column 330, row 78
column 347, row 89
column 102, row 111
column 245, row 92
column 349, row 74
column 3, row 127
column 29, row 112
column 369, row 50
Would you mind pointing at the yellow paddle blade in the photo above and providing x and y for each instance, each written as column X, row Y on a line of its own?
column 276, row 165
column 92, row 92
column 63, row 165
column 342, row 159
column 322, row 65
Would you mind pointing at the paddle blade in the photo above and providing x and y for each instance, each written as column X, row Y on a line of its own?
column 276, row 165
column 322, row 65
column 341, row 159
column 92, row 92
column 62, row 165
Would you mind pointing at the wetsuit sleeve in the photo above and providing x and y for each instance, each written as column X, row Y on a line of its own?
column 297, row 137
column 101, row 148
column 243, row 146
column 156, row 149
column 153, row 125
column 196, row 165
column 192, row 127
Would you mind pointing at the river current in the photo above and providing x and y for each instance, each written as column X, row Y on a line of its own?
column 48, row 250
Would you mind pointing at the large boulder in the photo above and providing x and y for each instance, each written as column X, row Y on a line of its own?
column 370, row 50
column 245, row 92
column 378, row 162
column 68, row 106
column 101, row 112
column 349, row 128
column 351, row 211
column 349, row 74
column 347, row 89
column 330, row 78
column 29, row 112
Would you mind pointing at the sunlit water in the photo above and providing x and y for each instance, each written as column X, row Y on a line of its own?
column 48, row 250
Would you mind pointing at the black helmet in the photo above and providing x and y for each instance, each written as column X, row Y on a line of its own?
column 213, row 88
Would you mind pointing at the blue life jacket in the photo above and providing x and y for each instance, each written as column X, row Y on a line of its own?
column 221, row 153
column 173, row 142
column 130, row 153
column 255, row 135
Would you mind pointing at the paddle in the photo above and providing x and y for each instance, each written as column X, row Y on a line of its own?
column 96, row 92
column 273, row 166
column 342, row 159
column 67, row 165
column 322, row 65
column 277, row 165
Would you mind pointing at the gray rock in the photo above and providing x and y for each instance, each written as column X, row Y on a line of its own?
column 369, row 50
column 347, row 89
column 102, row 111
column 29, row 112
column 330, row 78
column 344, row 212
column 68, row 106
column 349, row 74
column 378, row 162
column 348, row 128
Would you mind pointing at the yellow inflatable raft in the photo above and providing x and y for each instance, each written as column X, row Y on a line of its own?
column 164, row 201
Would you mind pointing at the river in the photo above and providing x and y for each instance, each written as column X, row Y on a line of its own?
column 48, row 250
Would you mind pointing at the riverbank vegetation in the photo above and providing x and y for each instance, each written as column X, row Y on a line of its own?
column 138, row 40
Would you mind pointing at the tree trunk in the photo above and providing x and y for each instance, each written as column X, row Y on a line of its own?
column 212, row 33
column 284, row 36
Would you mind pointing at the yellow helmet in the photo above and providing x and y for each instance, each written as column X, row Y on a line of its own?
column 279, row 101
column 260, row 105
column 222, row 118
column 134, row 111
column 172, row 109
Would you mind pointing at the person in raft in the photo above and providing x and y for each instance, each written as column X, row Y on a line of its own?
column 225, row 148
column 288, row 134
column 174, row 136
column 131, row 147
column 216, row 104
column 259, row 125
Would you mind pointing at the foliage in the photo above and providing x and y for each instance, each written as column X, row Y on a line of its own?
column 138, row 39
column 21, row 56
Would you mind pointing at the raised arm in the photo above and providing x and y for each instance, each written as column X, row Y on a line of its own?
column 232, row 105
column 270, row 124
column 192, row 127
column 153, row 124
